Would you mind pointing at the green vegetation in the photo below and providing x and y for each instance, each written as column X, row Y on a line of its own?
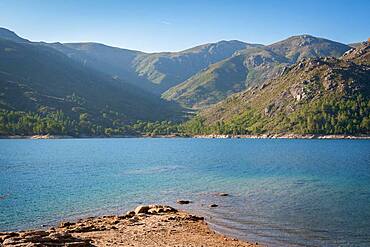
column 154, row 72
column 249, row 67
column 314, row 96
column 331, row 115
column 37, row 78
column 59, row 89
column 57, row 123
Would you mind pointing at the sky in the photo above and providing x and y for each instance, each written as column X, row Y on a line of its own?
column 164, row 25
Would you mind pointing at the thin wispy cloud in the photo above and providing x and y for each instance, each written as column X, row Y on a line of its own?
column 166, row 22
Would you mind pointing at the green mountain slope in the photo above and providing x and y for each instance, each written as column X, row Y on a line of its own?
column 254, row 66
column 40, row 79
column 317, row 95
column 115, row 62
column 169, row 69
column 154, row 72
column 246, row 68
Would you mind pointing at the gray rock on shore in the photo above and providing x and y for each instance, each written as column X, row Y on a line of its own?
column 182, row 202
column 153, row 209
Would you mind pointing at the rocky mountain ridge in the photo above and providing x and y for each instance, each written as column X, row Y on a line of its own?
column 249, row 67
column 315, row 95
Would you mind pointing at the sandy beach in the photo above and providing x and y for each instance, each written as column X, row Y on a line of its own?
column 152, row 225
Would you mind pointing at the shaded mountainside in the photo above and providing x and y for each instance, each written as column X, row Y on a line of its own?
column 169, row 69
column 316, row 95
column 93, row 89
column 246, row 68
column 39, row 79
column 154, row 72
column 10, row 35
column 115, row 62
column 249, row 67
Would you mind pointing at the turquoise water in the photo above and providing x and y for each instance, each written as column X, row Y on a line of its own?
column 282, row 192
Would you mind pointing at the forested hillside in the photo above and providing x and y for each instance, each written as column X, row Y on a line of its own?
column 323, row 95
column 249, row 67
column 41, row 87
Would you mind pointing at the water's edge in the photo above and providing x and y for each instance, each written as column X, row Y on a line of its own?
column 210, row 136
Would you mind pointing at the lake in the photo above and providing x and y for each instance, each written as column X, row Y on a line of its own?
column 282, row 192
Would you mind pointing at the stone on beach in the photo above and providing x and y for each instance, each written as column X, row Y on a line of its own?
column 41, row 238
column 182, row 202
column 141, row 209
column 130, row 214
column 153, row 209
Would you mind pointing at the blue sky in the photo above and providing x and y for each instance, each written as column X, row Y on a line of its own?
column 164, row 25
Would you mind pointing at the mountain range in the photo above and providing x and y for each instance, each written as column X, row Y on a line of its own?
column 249, row 67
column 112, row 86
column 324, row 95
column 38, row 78
column 203, row 75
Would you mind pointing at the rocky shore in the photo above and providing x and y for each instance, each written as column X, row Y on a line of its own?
column 284, row 136
column 150, row 225
column 216, row 136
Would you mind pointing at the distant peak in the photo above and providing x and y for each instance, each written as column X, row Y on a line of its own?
column 10, row 35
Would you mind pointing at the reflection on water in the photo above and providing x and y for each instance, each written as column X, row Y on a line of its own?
column 282, row 192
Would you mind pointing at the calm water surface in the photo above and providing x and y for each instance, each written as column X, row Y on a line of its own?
column 282, row 192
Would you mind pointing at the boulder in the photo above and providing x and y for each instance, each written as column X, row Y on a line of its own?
column 156, row 209
column 194, row 218
column 142, row 209
column 182, row 202
column 5, row 235
column 65, row 224
column 213, row 205
column 130, row 214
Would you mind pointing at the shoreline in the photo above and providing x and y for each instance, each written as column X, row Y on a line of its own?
column 284, row 136
column 210, row 136
column 147, row 225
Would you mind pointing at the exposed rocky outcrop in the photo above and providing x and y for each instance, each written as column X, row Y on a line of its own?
column 147, row 225
column 321, row 95
column 41, row 238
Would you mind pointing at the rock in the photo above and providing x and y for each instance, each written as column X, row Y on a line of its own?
column 142, row 209
column 169, row 209
column 77, row 244
column 65, row 224
column 194, row 218
column 88, row 228
column 130, row 214
column 182, row 202
column 268, row 109
column 5, row 235
column 156, row 209
column 13, row 241
column 135, row 219
column 59, row 235
column 213, row 205
column 33, row 233
column 223, row 194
